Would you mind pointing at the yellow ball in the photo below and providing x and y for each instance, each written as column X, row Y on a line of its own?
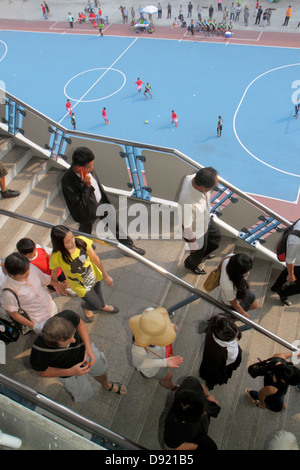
column 146, row 122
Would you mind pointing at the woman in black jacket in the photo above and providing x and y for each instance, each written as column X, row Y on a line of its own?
column 222, row 353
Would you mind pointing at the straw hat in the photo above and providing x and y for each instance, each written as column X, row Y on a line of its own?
column 153, row 327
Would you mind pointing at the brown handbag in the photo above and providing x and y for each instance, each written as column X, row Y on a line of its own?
column 213, row 279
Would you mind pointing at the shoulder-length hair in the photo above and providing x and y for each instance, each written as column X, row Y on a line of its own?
column 58, row 234
column 238, row 265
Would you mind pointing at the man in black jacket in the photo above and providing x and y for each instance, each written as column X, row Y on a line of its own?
column 84, row 193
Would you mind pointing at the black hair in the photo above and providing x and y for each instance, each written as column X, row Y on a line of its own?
column 58, row 234
column 25, row 246
column 224, row 328
column 82, row 156
column 287, row 372
column 238, row 265
column 16, row 264
column 206, row 177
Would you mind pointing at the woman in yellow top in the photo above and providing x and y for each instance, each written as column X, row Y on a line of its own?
column 82, row 268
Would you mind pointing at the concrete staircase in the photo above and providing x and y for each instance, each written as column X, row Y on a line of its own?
column 139, row 415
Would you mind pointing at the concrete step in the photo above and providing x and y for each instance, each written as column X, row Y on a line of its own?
column 39, row 183
column 14, row 159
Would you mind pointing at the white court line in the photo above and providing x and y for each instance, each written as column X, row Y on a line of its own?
column 5, row 52
column 237, row 110
column 101, row 76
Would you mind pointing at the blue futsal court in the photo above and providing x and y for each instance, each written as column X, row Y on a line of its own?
column 252, row 87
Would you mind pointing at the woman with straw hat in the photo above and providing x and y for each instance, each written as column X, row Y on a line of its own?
column 152, row 332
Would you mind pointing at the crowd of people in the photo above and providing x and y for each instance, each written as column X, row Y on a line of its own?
column 62, row 347
column 210, row 26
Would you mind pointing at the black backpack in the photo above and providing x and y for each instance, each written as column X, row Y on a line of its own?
column 8, row 332
column 262, row 367
column 282, row 243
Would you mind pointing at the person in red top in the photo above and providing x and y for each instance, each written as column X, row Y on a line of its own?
column 69, row 107
column 104, row 115
column 139, row 83
column 38, row 256
column 174, row 118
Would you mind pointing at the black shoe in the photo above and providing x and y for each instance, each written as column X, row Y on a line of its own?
column 285, row 301
column 139, row 251
column 198, row 270
column 10, row 193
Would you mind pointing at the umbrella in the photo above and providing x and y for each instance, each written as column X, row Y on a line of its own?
column 150, row 10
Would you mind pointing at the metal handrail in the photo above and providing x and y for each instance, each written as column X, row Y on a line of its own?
column 68, row 415
column 164, row 273
column 156, row 148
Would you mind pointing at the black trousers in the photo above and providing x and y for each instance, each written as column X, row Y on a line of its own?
column 211, row 243
column 290, row 289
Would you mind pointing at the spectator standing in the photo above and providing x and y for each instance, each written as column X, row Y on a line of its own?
column 237, row 12
column 132, row 12
column 246, row 15
column 122, row 13
column 190, row 10
column 187, row 422
column 63, row 349
column 70, row 19
column 199, row 10
column 279, row 375
column 39, row 256
column 287, row 16
column 288, row 281
column 235, row 291
column 82, row 268
column 220, row 5
column 180, row 14
column 159, row 11
column 169, row 9
column 199, row 229
column 28, row 285
column 152, row 333
column 222, row 354
column 258, row 16
column 211, row 12
column 125, row 13
column 232, row 12
column 84, row 195
column 44, row 11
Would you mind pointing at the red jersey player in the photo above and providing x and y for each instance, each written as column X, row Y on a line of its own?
column 104, row 115
column 174, row 118
column 69, row 107
column 139, row 83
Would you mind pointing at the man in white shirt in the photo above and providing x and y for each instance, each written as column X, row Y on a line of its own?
column 29, row 284
column 199, row 230
column 288, row 282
